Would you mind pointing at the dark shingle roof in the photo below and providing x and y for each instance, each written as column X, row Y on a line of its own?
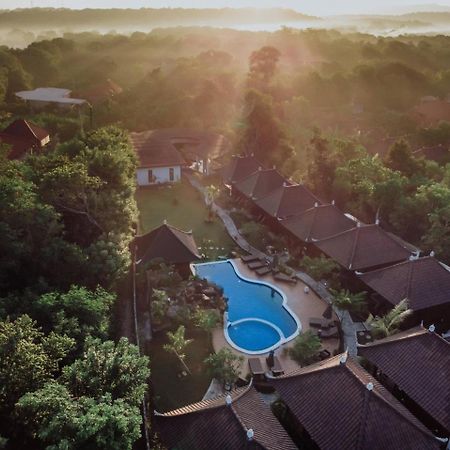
column 364, row 247
column 166, row 242
column 213, row 424
column 334, row 403
column 287, row 201
column 26, row 130
column 318, row 223
column 418, row 361
column 425, row 282
column 155, row 152
column 260, row 183
column 240, row 167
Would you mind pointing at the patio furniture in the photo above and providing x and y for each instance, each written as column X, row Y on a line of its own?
column 249, row 258
column 286, row 278
column 320, row 322
column 277, row 368
column 364, row 337
column 328, row 313
column 256, row 265
column 329, row 333
column 256, row 368
column 263, row 270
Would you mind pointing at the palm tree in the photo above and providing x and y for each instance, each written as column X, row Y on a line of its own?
column 211, row 194
column 389, row 324
column 177, row 345
column 345, row 300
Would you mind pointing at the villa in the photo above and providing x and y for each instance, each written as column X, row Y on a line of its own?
column 169, row 244
column 259, row 184
column 338, row 405
column 23, row 138
column 237, row 421
column 44, row 96
column 239, row 168
column 416, row 363
column 424, row 282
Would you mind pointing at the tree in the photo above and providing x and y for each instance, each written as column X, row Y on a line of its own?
column 319, row 268
column 28, row 359
column 78, row 313
column 305, row 348
column 211, row 194
column 345, row 300
column 224, row 365
column 59, row 420
column 207, row 319
column 390, row 323
column 263, row 65
column 159, row 305
column 177, row 345
column 111, row 369
column 400, row 158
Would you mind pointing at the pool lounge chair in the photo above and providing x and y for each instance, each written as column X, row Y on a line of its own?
column 256, row 368
column 263, row 270
column 277, row 368
column 286, row 278
column 328, row 334
column 249, row 258
column 256, row 265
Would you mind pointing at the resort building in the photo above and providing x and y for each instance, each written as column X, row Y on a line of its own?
column 415, row 365
column 23, row 138
column 424, row 282
column 159, row 161
column 318, row 222
column 287, row 200
column 238, row 168
column 338, row 405
column 238, row 421
column 42, row 97
column 259, row 184
column 169, row 244
column 364, row 247
column 162, row 154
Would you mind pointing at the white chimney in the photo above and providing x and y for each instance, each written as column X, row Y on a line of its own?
column 431, row 328
column 369, row 386
column 228, row 400
column 250, row 434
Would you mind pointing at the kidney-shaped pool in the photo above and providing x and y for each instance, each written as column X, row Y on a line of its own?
column 258, row 318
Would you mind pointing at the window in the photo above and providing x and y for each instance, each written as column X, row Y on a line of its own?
column 171, row 174
column 150, row 176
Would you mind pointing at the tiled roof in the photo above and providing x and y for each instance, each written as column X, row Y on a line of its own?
column 213, row 424
column 240, row 167
column 288, row 200
column 364, row 247
column 169, row 243
column 425, row 282
column 260, row 183
column 23, row 129
column 418, row 361
column 155, row 152
column 342, row 407
column 318, row 223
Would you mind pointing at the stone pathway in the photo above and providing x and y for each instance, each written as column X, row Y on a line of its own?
column 347, row 324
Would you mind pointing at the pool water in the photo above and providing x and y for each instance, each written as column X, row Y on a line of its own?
column 258, row 319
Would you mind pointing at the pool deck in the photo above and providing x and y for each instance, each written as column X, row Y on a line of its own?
column 304, row 305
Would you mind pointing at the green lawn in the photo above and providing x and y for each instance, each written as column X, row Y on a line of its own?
column 182, row 206
column 171, row 391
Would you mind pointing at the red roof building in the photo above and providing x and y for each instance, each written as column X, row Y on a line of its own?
column 241, row 421
column 23, row 137
column 417, row 361
column 341, row 406
column 364, row 247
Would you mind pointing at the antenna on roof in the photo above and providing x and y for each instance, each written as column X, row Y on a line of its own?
column 431, row 328
column 250, row 434
column 369, row 386
column 228, row 400
column 432, row 253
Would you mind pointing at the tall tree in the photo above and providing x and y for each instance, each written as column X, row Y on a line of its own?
column 177, row 345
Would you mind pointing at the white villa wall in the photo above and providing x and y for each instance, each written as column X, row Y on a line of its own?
column 160, row 174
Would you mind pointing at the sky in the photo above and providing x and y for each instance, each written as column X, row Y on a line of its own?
column 316, row 7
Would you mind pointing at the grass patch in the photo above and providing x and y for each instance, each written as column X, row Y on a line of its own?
column 171, row 391
column 182, row 206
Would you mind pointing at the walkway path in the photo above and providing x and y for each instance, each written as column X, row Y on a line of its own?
column 347, row 324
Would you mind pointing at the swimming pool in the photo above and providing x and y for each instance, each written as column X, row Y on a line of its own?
column 258, row 319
